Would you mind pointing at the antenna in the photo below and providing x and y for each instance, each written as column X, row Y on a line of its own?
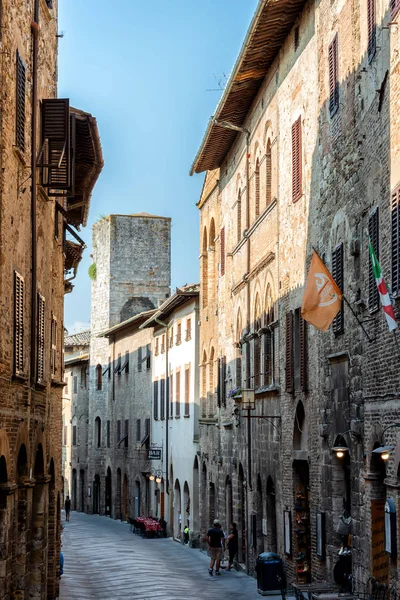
column 221, row 81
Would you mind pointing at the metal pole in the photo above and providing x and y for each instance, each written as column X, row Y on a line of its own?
column 248, row 490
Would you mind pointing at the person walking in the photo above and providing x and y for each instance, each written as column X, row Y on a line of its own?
column 67, row 508
column 216, row 540
column 233, row 545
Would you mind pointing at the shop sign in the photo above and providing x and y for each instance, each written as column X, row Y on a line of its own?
column 155, row 453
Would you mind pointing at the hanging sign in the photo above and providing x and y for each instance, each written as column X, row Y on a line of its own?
column 155, row 453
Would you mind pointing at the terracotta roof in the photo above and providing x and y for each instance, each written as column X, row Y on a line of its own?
column 135, row 320
column 76, row 359
column 182, row 295
column 268, row 30
column 78, row 339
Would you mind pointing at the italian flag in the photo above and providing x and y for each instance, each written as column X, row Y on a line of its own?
column 383, row 291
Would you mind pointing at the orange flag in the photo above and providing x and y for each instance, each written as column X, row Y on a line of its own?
column 322, row 298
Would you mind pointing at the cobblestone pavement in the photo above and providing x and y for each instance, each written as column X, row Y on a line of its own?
column 105, row 561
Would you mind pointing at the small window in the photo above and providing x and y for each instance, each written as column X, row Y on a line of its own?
column 97, row 432
column 155, row 400
column 178, row 334
column 178, row 394
column 162, row 344
column 75, row 380
column 108, row 434
column 119, row 365
column 188, row 329
column 148, row 357
column 297, row 183
column 162, row 398
column 99, row 378
column 138, row 432
column 268, row 174
column 157, row 350
column 333, row 77
column 187, row 391
column 109, row 367
column 20, row 104
column 74, row 435
column 140, row 359
column 171, row 395
column 126, row 433
column 373, row 230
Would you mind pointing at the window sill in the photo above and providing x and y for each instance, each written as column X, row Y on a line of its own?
column 41, row 385
column 177, row 416
column 19, row 377
column 186, row 416
column 267, row 388
column 58, row 383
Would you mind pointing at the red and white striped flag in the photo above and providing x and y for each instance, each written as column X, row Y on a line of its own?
column 383, row 291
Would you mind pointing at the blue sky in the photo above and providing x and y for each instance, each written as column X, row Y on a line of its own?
column 143, row 70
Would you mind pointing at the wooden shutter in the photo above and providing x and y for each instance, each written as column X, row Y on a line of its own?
column 222, row 238
column 187, row 391
column 139, row 359
column 20, row 104
column 127, row 362
column 138, row 437
column 74, row 435
column 162, row 399
column 303, row 354
column 56, row 158
column 394, row 7
column 40, row 338
column 395, row 206
column 155, row 400
column 257, row 189
column 338, row 276
column 289, row 368
column 268, row 358
column 53, row 355
column 126, row 433
column 171, row 396
column 373, row 230
column 333, row 76
column 257, row 361
column 178, row 394
column 371, row 13
column 238, row 371
column 19, row 305
column 268, row 178
column 296, row 161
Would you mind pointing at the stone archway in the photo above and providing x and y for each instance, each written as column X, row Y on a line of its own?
column 23, row 526
column 82, row 490
column 177, row 510
column 74, row 490
column 258, row 508
column 96, row 495
column 118, row 513
column 228, row 503
column 126, row 499
column 108, row 493
column 186, row 512
column 241, row 510
column 195, row 523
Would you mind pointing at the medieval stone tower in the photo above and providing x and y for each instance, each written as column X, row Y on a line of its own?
column 131, row 273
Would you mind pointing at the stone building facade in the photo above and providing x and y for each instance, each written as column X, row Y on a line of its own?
column 175, row 404
column 131, row 277
column 301, row 154
column 75, row 418
column 43, row 201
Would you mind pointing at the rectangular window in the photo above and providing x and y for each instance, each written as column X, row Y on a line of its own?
column 109, row 367
column 20, row 104
column 155, row 400
column 108, row 434
column 139, row 359
column 83, row 377
column 148, row 357
column 74, row 435
column 178, row 333
column 171, row 337
column 371, row 13
column 188, row 329
column 395, row 205
column 162, row 398
column 162, row 344
column 157, row 351
column 119, row 365
column 178, row 394
column 222, row 240
column 53, row 355
column 138, row 438
column 333, row 76
column 40, row 337
column 338, row 276
column 75, row 380
column 126, row 433
column 268, row 344
column 222, row 381
column 373, row 230
column 118, row 432
column 147, row 432
column 187, row 391
column 19, row 305
column 126, row 363
column 297, row 183
column 289, row 370
column 171, row 396
column 65, row 435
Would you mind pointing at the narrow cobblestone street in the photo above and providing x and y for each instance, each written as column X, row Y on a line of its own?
column 104, row 560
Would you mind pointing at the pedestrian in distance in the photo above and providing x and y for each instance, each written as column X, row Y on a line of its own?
column 232, row 544
column 67, row 508
column 216, row 541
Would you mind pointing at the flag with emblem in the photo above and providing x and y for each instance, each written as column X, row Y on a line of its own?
column 322, row 297
column 383, row 290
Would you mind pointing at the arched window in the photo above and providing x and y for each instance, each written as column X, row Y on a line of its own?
column 204, row 270
column 211, row 261
column 257, row 189
column 211, row 384
column 204, row 385
column 257, row 344
column 268, row 178
column 268, row 339
column 239, row 216
column 238, row 351
column 99, row 377
column 97, row 432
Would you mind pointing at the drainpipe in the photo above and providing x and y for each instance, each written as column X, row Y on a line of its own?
column 167, row 404
column 35, row 46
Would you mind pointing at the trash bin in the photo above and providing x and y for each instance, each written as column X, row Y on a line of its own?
column 271, row 578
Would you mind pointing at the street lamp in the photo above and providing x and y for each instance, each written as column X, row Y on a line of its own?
column 385, row 451
column 340, row 447
column 156, row 474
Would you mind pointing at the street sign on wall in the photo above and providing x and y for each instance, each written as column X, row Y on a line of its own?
column 154, row 453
